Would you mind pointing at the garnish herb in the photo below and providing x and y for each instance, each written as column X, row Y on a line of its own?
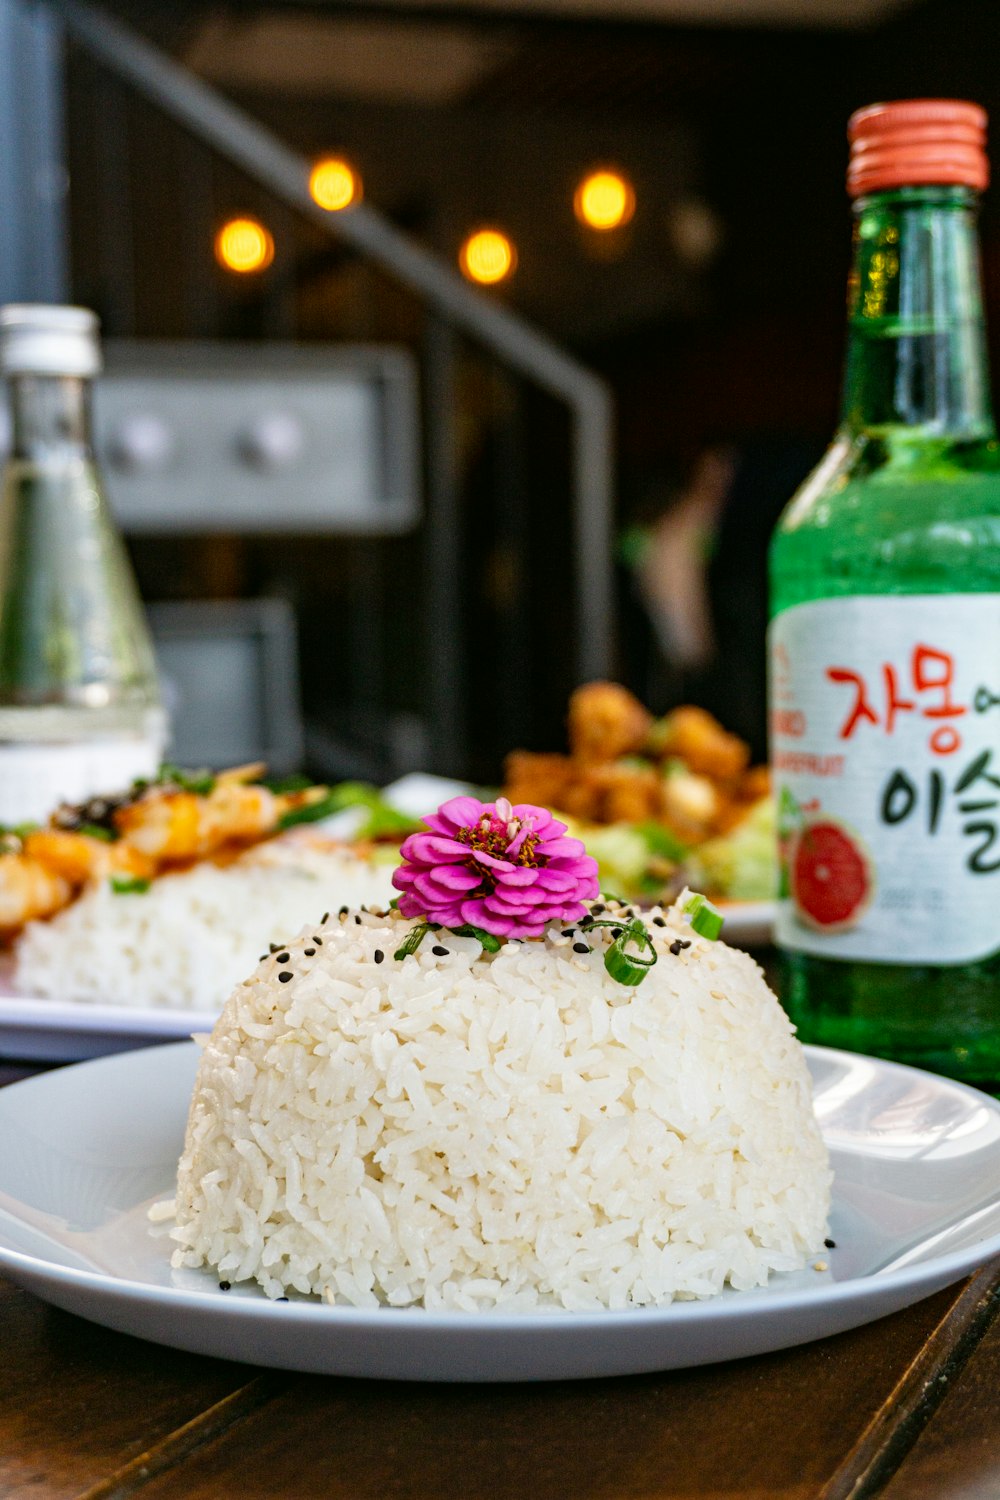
column 706, row 919
column 414, row 938
column 627, row 968
column 97, row 831
column 200, row 782
column 487, row 941
column 310, row 812
column 130, row 885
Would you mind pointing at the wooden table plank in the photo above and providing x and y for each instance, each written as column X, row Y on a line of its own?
column 77, row 1401
column 958, row 1453
column 770, row 1428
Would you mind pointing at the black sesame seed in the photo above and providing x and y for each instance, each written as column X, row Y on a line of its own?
column 597, row 908
column 273, row 947
column 439, row 951
column 659, row 922
column 283, row 958
column 580, row 948
column 830, row 1244
column 324, row 918
column 378, row 955
column 309, row 952
column 285, row 976
column 262, row 958
column 342, row 912
column 317, row 940
column 224, row 1286
column 357, row 919
column 568, row 931
column 281, row 1299
column 616, row 932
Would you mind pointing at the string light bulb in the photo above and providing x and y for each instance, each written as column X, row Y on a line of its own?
column 334, row 184
column 604, row 200
column 487, row 257
column 244, row 245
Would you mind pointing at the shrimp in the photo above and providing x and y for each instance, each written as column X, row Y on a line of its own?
column 172, row 826
column 135, row 835
column 28, row 889
column 79, row 857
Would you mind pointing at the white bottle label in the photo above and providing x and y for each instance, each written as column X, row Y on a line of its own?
column 35, row 778
column 885, row 746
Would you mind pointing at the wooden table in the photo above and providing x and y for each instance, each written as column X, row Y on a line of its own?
column 907, row 1408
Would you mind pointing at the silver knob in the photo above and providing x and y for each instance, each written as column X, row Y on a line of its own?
column 141, row 443
column 272, row 441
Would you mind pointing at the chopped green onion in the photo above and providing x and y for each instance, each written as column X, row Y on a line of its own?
column 414, row 938
column 98, row 831
column 130, row 885
column 705, row 919
column 309, row 812
column 200, row 782
column 627, row 968
column 280, row 784
column 489, row 942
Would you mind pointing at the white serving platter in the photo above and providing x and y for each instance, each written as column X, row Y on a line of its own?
column 87, row 1150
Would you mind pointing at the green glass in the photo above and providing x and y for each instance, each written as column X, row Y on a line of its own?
column 906, row 501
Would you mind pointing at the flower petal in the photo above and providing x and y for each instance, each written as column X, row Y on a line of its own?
column 477, row 914
column 461, row 812
column 456, row 877
column 491, row 862
column 561, row 848
column 431, row 849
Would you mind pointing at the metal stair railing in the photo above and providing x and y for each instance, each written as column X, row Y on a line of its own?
column 511, row 338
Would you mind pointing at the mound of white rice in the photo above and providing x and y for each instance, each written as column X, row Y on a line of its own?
column 517, row 1131
column 185, row 942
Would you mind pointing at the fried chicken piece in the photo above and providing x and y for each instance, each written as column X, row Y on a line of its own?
column 630, row 795
column 540, row 779
column 700, row 741
column 606, row 721
column 690, row 806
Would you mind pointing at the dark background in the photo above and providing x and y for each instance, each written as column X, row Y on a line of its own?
column 742, row 346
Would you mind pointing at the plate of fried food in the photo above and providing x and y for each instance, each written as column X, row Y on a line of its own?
column 128, row 919
column 661, row 803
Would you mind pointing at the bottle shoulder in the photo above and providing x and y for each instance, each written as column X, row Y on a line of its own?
column 882, row 517
column 873, row 479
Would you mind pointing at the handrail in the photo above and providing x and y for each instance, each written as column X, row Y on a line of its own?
column 262, row 156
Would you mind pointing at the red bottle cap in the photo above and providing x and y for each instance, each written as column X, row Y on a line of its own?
column 917, row 143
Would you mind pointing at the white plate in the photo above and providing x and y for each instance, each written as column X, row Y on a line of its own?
column 88, row 1148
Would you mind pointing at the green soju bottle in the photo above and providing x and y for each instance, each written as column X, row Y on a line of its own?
column 884, row 645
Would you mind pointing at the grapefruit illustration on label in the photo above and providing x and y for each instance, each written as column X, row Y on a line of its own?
column 830, row 876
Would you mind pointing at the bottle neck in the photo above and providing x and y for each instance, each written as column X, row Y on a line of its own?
column 916, row 356
column 50, row 416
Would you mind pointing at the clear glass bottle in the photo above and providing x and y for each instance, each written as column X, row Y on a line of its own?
column 884, row 645
column 80, row 709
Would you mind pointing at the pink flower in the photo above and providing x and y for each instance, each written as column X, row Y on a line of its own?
column 510, row 870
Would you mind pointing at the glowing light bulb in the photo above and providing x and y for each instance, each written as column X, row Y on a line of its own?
column 487, row 256
column 244, row 245
column 604, row 200
column 334, row 184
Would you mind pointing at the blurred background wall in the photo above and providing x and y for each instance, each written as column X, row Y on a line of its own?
column 716, row 313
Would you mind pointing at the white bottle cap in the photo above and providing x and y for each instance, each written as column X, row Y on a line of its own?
column 38, row 339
